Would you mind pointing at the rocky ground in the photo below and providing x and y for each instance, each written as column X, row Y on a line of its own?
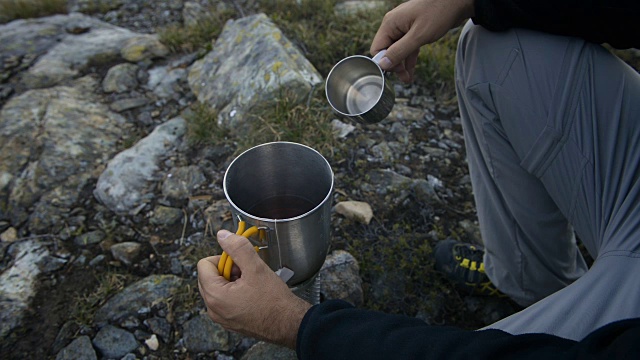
column 106, row 204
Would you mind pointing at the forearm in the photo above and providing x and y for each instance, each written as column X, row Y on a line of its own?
column 336, row 330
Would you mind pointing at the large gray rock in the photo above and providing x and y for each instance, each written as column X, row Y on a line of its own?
column 251, row 62
column 144, row 293
column 69, row 45
column 51, row 141
column 201, row 334
column 125, row 181
column 18, row 283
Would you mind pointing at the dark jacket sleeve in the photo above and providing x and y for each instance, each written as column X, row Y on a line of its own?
column 337, row 330
column 616, row 22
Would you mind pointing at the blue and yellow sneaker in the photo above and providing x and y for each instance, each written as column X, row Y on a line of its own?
column 462, row 264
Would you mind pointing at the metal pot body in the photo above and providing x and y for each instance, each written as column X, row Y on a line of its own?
column 286, row 189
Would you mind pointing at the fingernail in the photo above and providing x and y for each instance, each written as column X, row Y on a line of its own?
column 385, row 63
column 223, row 234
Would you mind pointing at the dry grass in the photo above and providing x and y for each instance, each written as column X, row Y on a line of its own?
column 25, row 9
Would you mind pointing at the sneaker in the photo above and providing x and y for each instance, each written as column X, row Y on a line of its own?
column 462, row 264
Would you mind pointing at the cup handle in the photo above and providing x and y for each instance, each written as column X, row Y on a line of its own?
column 379, row 56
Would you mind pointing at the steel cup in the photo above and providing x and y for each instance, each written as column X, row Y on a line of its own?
column 284, row 188
column 357, row 89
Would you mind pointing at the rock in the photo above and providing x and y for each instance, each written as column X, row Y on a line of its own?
column 126, row 252
column 181, row 182
column 165, row 81
column 120, row 78
column 90, row 238
column 144, row 293
column 114, row 342
column 340, row 129
column 65, row 335
column 51, row 141
column 152, row 343
column 128, row 104
column 18, row 283
column 79, row 349
column 406, row 113
column 383, row 152
column 160, row 327
column 251, row 62
column 353, row 7
column 9, row 235
column 102, row 43
column 264, row 350
column 143, row 47
column 164, row 215
column 201, row 334
column 24, row 41
column 124, row 182
column 215, row 215
column 340, row 278
column 88, row 6
column 357, row 210
column 51, row 263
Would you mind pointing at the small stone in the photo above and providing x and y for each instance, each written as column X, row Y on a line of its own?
column 340, row 129
column 9, row 235
column 90, row 238
column 357, row 210
column 126, row 252
column 114, row 342
column 127, row 104
column 120, row 78
column 152, row 342
column 164, row 215
column 142, row 48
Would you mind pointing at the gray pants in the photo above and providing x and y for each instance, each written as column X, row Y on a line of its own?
column 552, row 129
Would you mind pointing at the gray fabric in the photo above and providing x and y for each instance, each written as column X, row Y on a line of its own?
column 552, row 129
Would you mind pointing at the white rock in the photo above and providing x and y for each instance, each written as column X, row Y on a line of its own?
column 357, row 210
column 152, row 342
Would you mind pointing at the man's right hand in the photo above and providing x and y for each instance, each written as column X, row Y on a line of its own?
column 413, row 24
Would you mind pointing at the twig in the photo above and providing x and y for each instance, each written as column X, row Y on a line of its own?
column 184, row 227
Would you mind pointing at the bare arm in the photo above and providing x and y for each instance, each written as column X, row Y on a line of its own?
column 258, row 303
column 413, row 24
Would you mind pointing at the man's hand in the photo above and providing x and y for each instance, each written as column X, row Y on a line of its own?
column 258, row 303
column 413, row 24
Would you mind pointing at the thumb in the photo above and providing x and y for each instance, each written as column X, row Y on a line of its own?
column 238, row 247
column 399, row 51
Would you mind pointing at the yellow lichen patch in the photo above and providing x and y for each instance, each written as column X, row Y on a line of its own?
column 239, row 38
column 267, row 77
column 276, row 67
column 277, row 35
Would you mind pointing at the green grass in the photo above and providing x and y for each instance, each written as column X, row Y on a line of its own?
column 323, row 36
column 436, row 64
column 186, row 39
column 202, row 125
column 287, row 119
column 25, row 9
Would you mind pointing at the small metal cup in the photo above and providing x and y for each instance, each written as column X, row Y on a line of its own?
column 356, row 88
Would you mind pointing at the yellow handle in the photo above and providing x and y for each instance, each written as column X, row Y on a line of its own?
column 226, row 262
